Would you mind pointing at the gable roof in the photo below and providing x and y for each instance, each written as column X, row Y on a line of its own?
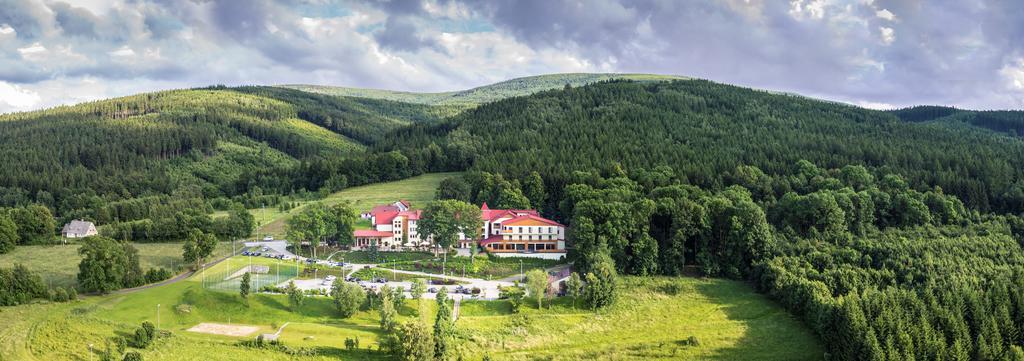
column 533, row 218
column 388, row 216
column 490, row 215
column 385, row 217
column 77, row 227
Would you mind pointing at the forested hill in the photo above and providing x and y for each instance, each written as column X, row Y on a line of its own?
column 1004, row 121
column 704, row 130
column 200, row 142
column 459, row 100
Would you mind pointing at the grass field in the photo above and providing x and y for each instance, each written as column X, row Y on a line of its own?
column 649, row 321
column 418, row 190
column 58, row 265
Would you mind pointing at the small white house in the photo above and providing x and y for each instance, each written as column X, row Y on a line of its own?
column 78, row 229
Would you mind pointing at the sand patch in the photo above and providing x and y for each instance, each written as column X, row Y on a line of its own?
column 222, row 329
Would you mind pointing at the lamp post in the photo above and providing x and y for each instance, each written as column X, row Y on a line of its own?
column 90, row 351
column 521, row 274
column 158, row 316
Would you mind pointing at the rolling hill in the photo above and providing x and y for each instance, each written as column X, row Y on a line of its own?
column 469, row 98
column 704, row 130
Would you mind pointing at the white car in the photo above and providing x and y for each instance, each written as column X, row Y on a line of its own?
column 286, row 257
column 330, row 278
column 268, row 238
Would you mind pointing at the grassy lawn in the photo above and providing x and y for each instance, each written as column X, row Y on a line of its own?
column 58, row 265
column 651, row 319
column 727, row 317
column 418, row 190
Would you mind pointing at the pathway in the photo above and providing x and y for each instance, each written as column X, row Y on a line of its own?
column 455, row 310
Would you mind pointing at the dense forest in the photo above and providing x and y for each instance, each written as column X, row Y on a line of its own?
column 894, row 235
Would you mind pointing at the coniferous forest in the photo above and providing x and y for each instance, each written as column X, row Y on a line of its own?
column 893, row 235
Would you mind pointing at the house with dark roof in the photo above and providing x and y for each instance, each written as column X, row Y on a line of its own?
column 78, row 229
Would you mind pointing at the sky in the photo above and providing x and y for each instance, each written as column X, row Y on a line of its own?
column 874, row 53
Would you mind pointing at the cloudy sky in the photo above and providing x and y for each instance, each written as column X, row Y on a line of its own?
column 877, row 53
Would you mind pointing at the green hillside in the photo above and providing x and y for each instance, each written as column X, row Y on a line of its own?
column 464, row 99
column 74, row 159
column 704, row 130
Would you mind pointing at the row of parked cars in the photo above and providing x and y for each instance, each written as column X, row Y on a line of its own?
column 269, row 253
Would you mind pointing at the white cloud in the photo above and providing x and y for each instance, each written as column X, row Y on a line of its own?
column 7, row 30
column 14, row 98
column 35, row 48
column 122, row 52
column 801, row 9
column 1013, row 74
column 888, row 35
column 875, row 105
column 885, row 14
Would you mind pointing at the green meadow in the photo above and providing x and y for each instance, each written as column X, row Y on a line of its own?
column 651, row 320
column 58, row 264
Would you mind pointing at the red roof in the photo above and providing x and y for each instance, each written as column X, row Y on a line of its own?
column 371, row 233
column 404, row 202
column 491, row 214
column 412, row 215
column 531, row 217
column 385, row 217
column 383, row 208
column 493, row 238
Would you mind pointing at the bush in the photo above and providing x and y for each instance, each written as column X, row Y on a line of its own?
column 121, row 344
column 154, row 275
column 144, row 335
column 132, row 356
column 59, row 295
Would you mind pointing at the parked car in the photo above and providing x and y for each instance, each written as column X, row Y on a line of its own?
column 330, row 278
column 340, row 264
column 432, row 290
column 286, row 257
column 268, row 238
column 265, row 249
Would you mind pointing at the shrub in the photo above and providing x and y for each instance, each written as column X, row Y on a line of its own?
column 154, row 275
column 59, row 295
column 121, row 344
column 132, row 356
